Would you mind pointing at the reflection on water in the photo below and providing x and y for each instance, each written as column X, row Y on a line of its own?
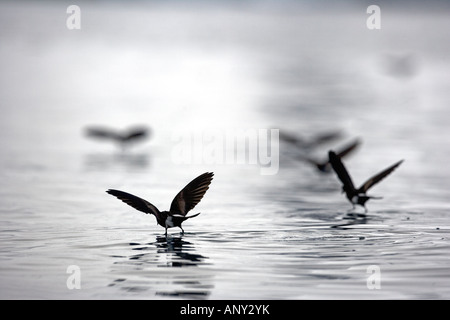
column 108, row 161
column 352, row 219
column 165, row 252
column 180, row 250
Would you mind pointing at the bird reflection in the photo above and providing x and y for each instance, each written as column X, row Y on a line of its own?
column 180, row 250
column 170, row 252
column 351, row 220
column 164, row 252
column 107, row 161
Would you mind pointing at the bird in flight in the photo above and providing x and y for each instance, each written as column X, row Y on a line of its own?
column 183, row 202
column 123, row 138
column 306, row 146
column 357, row 196
column 324, row 165
column 315, row 141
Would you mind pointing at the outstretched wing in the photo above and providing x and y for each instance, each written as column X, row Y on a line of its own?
column 340, row 170
column 325, row 137
column 377, row 178
column 102, row 133
column 191, row 194
column 135, row 202
column 290, row 138
column 315, row 141
column 136, row 133
column 341, row 153
column 348, row 148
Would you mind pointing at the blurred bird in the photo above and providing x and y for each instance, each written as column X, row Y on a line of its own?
column 324, row 165
column 357, row 196
column 311, row 143
column 123, row 138
column 322, row 138
column 183, row 202
column 400, row 65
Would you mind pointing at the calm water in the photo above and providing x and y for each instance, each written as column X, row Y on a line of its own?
column 205, row 69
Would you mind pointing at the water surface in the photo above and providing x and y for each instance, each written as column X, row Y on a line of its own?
column 181, row 69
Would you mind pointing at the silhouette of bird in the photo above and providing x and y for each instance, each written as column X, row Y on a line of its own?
column 324, row 165
column 315, row 141
column 357, row 196
column 183, row 202
column 123, row 138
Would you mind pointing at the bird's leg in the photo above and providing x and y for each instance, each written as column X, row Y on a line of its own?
column 352, row 209
column 166, row 233
column 182, row 231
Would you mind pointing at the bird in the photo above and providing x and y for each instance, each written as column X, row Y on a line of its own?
column 183, row 202
column 315, row 141
column 357, row 196
column 123, row 138
column 324, row 165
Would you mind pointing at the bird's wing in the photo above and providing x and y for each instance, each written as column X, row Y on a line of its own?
column 348, row 148
column 310, row 160
column 290, row 138
column 340, row 153
column 191, row 194
column 135, row 202
column 325, row 137
column 378, row 177
column 136, row 133
column 103, row 133
column 340, row 170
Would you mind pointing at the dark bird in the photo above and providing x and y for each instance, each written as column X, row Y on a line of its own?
column 315, row 141
column 183, row 202
column 324, row 165
column 357, row 196
column 123, row 138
